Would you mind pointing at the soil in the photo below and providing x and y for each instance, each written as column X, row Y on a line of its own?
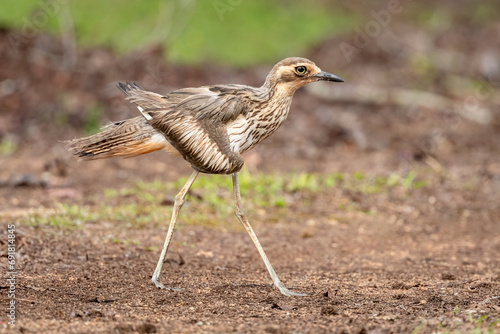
column 419, row 260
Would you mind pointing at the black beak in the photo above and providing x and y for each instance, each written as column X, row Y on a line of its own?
column 328, row 77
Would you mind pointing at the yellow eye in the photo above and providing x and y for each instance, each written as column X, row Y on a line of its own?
column 300, row 70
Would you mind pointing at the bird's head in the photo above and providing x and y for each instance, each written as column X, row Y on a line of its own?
column 292, row 73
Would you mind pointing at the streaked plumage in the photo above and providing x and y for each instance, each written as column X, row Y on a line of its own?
column 210, row 126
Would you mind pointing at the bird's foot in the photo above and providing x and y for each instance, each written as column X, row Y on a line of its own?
column 283, row 289
column 160, row 285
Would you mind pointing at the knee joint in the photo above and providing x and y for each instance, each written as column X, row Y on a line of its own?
column 239, row 212
column 179, row 200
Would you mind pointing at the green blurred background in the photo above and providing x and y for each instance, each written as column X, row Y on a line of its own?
column 234, row 32
column 224, row 31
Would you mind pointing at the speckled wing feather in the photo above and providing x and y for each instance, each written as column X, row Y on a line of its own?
column 193, row 121
column 143, row 99
column 216, row 103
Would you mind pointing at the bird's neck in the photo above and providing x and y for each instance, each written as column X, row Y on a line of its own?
column 278, row 99
column 279, row 90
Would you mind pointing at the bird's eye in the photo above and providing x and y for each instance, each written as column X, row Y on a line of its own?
column 300, row 70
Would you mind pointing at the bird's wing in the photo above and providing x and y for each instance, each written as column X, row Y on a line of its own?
column 216, row 104
column 196, row 126
column 143, row 99
column 220, row 103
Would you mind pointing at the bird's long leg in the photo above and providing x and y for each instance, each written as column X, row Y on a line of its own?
column 179, row 201
column 238, row 210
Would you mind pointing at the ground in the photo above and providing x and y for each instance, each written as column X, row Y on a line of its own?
column 397, row 232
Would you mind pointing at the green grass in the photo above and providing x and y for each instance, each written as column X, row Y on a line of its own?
column 8, row 145
column 480, row 322
column 223, row 31
column 116, row 240
column 211, row 196
column 484, row 324
column 419, row 329
column 64, row 216
column 383, row 184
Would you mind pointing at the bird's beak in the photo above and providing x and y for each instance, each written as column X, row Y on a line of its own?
column 327, row 77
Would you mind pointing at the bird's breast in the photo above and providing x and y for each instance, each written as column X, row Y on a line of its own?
column 248, row 130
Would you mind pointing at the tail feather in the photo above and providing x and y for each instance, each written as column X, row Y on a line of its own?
column 127, row 138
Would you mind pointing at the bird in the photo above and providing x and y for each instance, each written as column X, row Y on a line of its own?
column 210, row 127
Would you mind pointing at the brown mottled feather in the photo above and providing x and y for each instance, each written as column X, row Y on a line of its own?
column 210, row 126
column 127, row 139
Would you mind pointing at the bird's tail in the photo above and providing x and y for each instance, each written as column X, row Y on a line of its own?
column 128, row 138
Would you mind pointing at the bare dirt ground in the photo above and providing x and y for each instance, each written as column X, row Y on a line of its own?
column 398, row 260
